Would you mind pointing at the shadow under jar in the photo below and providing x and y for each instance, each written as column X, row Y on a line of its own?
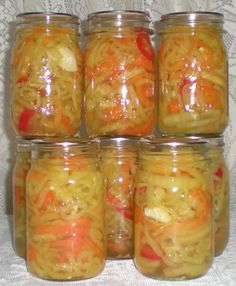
column 119, row 74
column 118, row 164
column 46, row 75
column 22, row 165
column 192, row 74
column 65, row 211
column 173, row 210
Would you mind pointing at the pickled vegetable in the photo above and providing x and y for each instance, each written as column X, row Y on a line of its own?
column 192, row 81
column 119, row 170
column 221, row 199
column 119, row 83
column 65, row 217
column 173, row 216
column 46, row 82
column 19, row 202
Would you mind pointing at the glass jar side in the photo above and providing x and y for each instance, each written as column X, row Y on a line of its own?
column 22, row 165
column 220, row 173
column 118, row 164
column 65, row 212
column 192, row 74
column 47, row 75
column 119, row 76
column 173, row 214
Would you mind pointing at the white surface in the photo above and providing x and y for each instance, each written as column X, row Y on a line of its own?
column 116, row 273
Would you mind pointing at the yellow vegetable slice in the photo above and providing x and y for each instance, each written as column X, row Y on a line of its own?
column 68, row 60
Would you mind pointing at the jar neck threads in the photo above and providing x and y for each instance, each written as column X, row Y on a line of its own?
column 120, row 20
column 190, row 20
column 47, row 20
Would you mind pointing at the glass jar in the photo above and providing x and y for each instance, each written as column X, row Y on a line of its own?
column 65, row 210
column 219, row 170
column 119, row 74
column 46, row 75
column 173, row 210
column 192, row 74
column 118, row 161
column 20, row 170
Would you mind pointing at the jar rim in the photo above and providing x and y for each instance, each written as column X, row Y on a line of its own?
column 120, row 14
column 48, row 17
column 194, row 16
column 22, row 144
column 22, row 140
column 118, row 19
column 213, row 141
column 63, row 142
column 190, row 19
column 119, row 141
column 173, row 141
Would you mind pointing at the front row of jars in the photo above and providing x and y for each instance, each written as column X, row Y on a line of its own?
column 167, row 227
column 118, row 70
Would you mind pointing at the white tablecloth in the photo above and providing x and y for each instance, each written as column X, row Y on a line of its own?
column 116, row 273
column 13, row 271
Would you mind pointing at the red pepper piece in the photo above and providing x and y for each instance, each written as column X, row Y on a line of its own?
column 145, row 46
column 24, row 119
column 141, row 190
column 147, row 252
column 125, row 213
column 186, row 83
column 219, row 173
column 32, row 253
column 22, row 79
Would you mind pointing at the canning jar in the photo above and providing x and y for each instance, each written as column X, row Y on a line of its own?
column 220, row 173
column 173, row 209
column 119, row 74
column 46, row 75
column 192, row 74
column 118, row 161
column 20, row 170
column 65, row 210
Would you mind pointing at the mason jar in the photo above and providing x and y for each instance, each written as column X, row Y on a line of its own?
column 22, row 165
column 118, row 164
column 192, row 74
column 65, row 210
column 173, row 209
column 119, row 74
column 220, row 173
column 47, row 75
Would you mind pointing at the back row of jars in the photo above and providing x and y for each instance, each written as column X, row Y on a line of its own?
column 127, row 88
